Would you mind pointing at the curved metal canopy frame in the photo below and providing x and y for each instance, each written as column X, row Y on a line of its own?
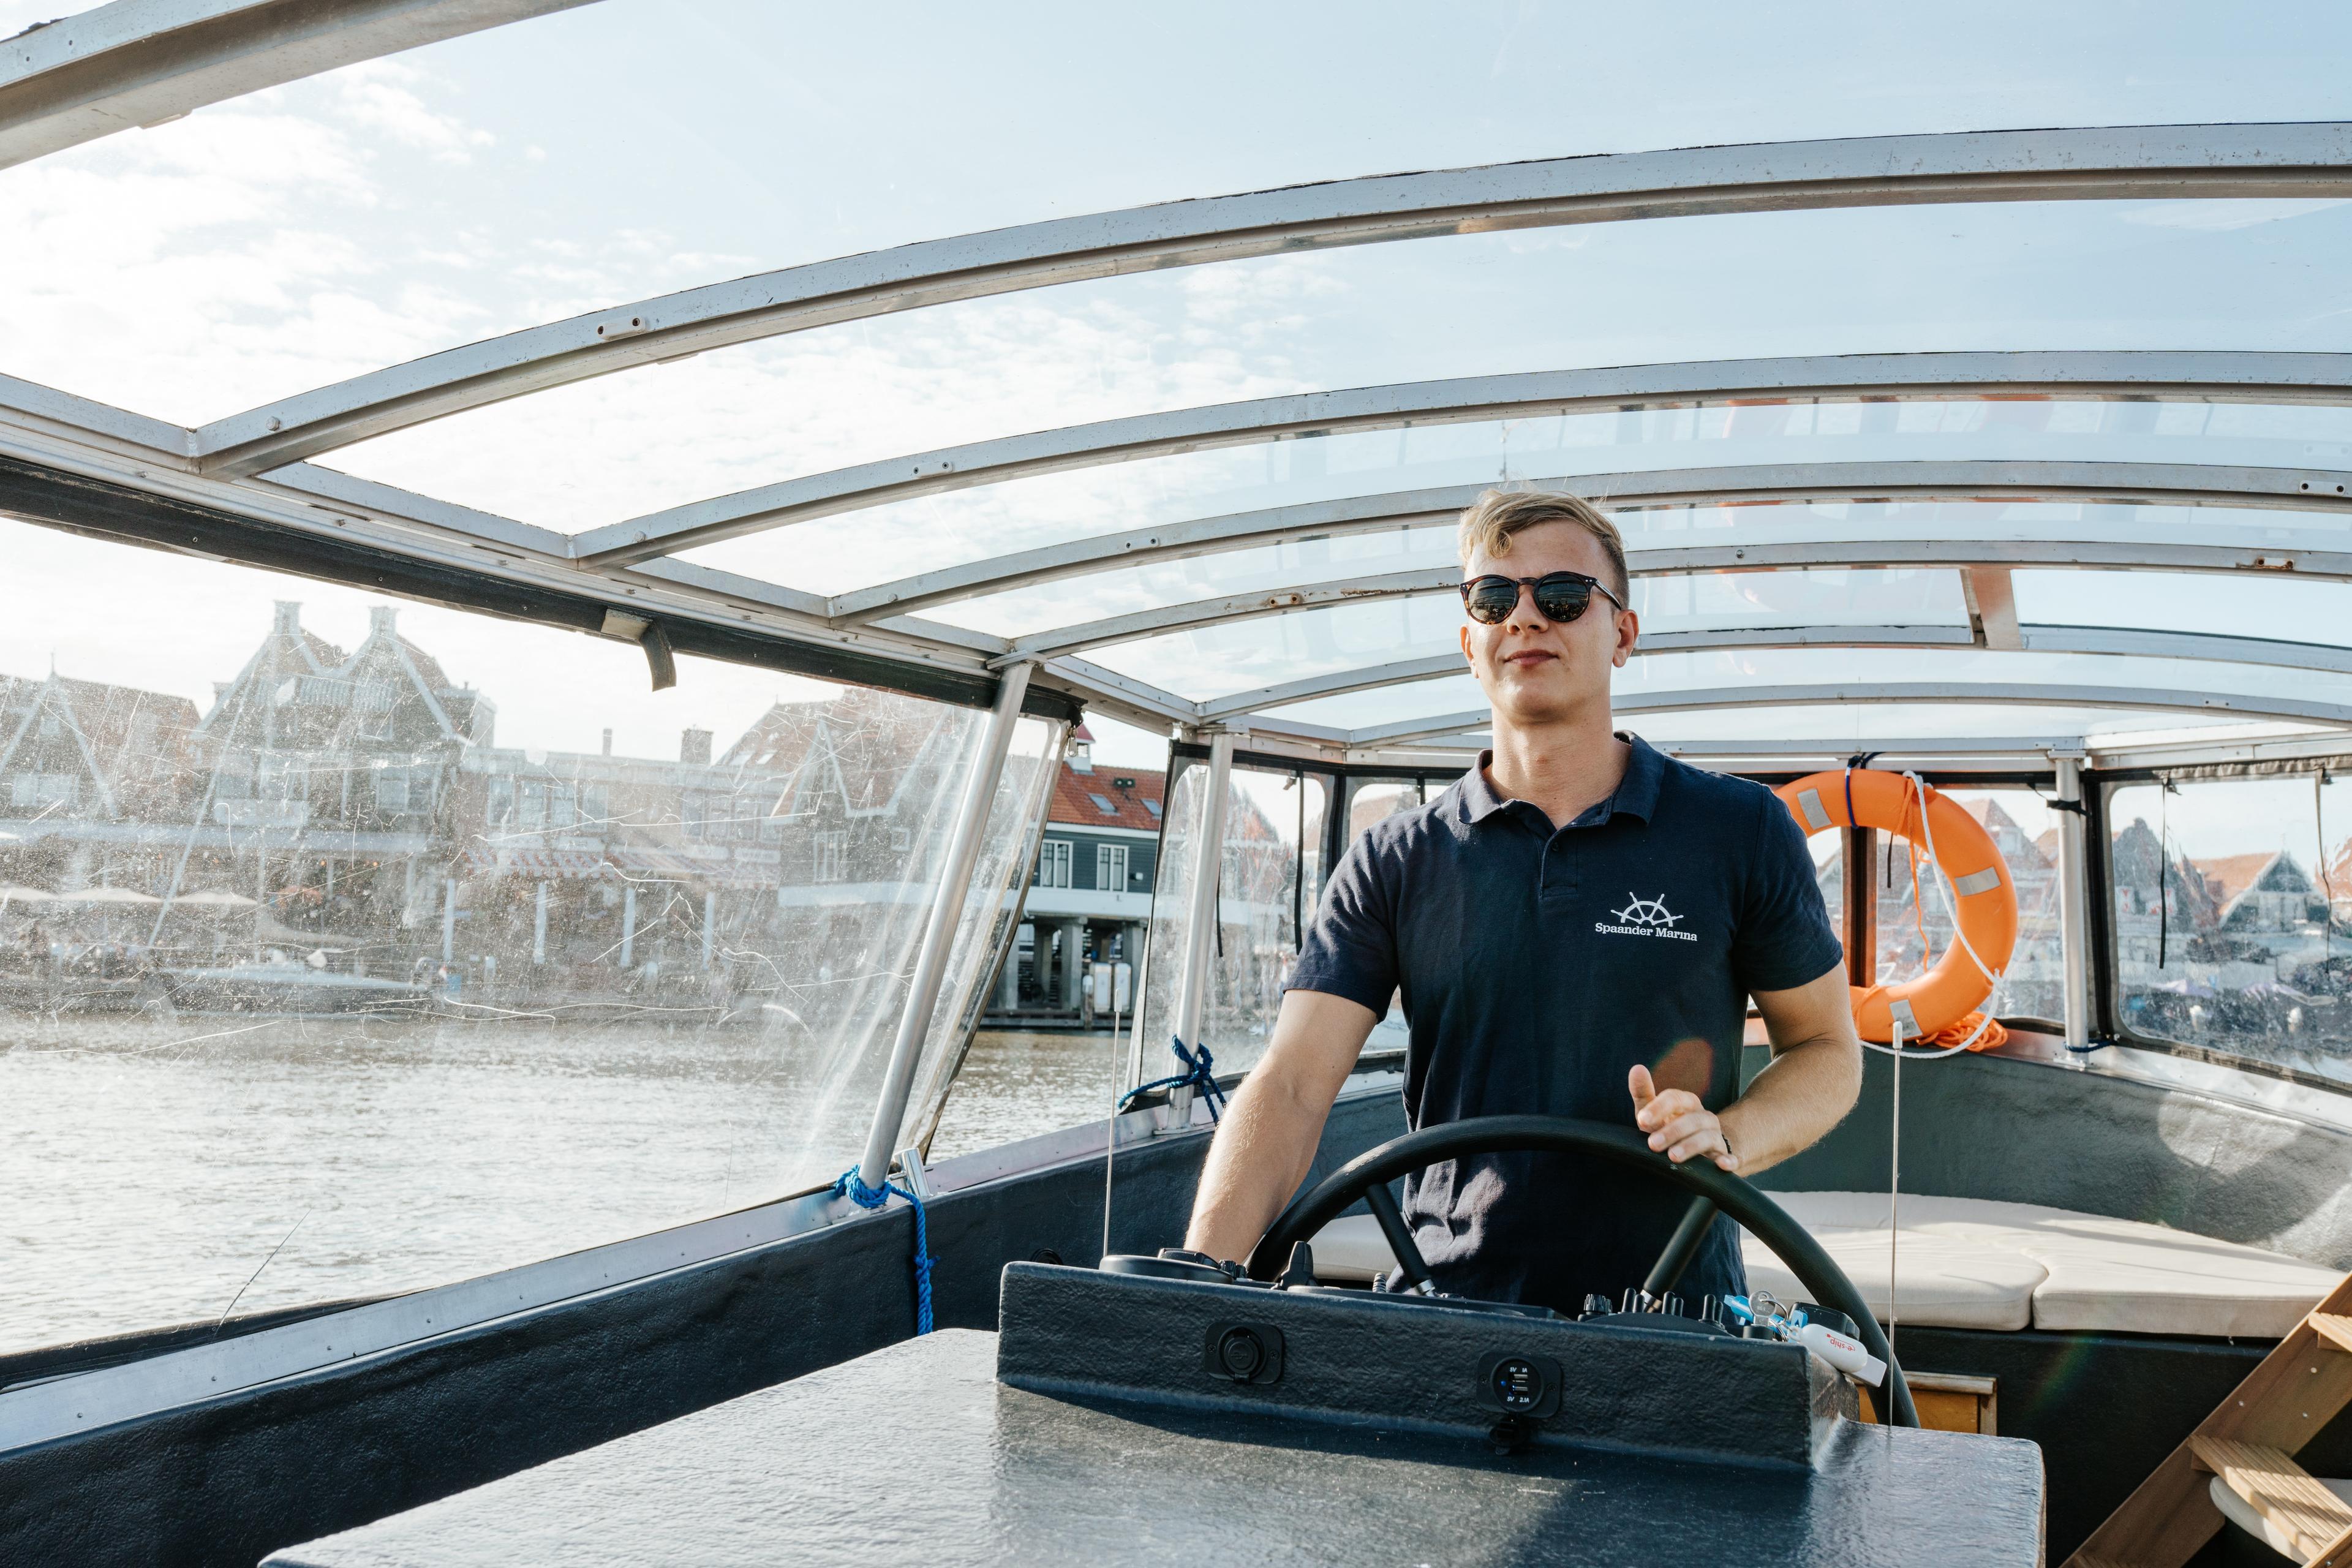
column 145, row 62
column 68, row 442
column 2092, row 483
column 2136, row 376
column 2094, row 164
column 2008, row 694
column 2270, row 561
column 2032, row 639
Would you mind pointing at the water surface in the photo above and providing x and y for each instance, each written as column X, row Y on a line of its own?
column 154, row 1165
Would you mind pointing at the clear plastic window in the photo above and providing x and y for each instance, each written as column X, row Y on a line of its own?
column 349, row 948
column 2232, row 918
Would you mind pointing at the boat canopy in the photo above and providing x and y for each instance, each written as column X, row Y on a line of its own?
column 2023, row 457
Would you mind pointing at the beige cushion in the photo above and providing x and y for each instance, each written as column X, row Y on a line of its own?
column 1944, row 1282
column 1975, row 1263
column 2246, row 1517
column 2099, row 1273
column 1351, row 1250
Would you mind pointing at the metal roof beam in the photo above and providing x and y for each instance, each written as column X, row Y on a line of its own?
column 1694, row 560
column 2086, row 375
column 2133, row 643
column 2102, row 163
column 2012, row 694
column 1959, row 480
column 143, row 62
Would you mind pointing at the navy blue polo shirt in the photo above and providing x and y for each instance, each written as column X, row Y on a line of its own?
column 1535, row 967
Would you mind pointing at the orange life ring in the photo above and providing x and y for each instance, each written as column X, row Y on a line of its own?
column 1979, row 882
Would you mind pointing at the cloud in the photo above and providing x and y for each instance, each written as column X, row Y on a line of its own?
column 376, row 96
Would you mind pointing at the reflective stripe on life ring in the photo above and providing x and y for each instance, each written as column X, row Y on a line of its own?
column 1987, row 898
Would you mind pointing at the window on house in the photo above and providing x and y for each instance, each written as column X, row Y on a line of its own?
column 1103, row 805
column 1054, row 863
column 1110, row 867
column 1153, row 807
column 533, row 816
column 595, row 805
column 501, row 803
column 392, row 790
column 833, row 856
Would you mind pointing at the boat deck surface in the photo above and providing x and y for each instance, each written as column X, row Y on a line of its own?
column 916, row 1453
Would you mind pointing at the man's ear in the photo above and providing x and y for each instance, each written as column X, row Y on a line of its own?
column 1628, row 632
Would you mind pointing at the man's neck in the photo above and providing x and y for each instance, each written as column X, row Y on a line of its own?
column 1564, row 769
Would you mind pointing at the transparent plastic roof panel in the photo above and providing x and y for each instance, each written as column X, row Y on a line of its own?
column 1477, row 305
column 610, row 153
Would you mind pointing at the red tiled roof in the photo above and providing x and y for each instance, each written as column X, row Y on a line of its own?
column 1074, row 806
column 2230, row 874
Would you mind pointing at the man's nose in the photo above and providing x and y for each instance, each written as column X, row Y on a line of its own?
column 1524, row 612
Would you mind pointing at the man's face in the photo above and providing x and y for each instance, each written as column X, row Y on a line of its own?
column 1534, row 670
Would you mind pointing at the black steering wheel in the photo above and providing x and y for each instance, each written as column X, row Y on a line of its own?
column 1366, row 1177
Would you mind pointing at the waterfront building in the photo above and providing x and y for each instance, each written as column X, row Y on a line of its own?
column 1089, row 897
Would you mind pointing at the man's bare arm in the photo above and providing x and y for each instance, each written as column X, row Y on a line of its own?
column 1267, row 1140
column 1812, row 1081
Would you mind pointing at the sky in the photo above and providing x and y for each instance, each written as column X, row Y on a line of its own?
column 265, row 246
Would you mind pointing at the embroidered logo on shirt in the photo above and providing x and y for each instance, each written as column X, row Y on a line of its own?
column 1645, row 916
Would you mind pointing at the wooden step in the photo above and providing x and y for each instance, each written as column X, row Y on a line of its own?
column 2280, row 1491
column 2298, row 1388
column 2335, row 1332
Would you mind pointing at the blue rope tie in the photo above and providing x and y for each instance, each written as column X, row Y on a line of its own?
column 1200, row 1073
column 865, row 1197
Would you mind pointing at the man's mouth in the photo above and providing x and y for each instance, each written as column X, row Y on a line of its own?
column 1530, row 659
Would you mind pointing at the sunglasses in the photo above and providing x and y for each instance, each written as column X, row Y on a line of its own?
column 1560, row 597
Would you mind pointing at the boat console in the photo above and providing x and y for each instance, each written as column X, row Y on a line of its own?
column 1176, row 1409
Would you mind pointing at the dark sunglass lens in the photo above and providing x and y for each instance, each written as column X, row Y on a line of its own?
column 1563, row 598
column 1491, row 599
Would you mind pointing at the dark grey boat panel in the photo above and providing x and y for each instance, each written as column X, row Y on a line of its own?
column 2025, row 1131
column 1354, row 1358
column 916, row 1455
column 227, row 1481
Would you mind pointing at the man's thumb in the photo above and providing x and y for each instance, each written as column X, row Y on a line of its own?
column 1638, row 1080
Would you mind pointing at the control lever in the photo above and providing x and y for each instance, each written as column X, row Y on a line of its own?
column 1301, row 1268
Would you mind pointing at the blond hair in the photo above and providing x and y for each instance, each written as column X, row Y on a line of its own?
column 1494, row 518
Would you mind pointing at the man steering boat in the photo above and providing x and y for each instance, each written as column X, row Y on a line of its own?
column 1575, row 928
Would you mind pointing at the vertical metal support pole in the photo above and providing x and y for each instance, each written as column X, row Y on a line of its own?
column 2073, row 899
column 629, row 926
column 710, row 925
column 946, row 913
column 539, row 927
column 1201, row 917
column 1860, row 873
column 449, row 920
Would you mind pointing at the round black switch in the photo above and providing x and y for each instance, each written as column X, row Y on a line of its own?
column 1518, row 1384
column 1241, row 1353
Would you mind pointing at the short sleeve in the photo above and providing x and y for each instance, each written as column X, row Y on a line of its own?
column 1785, row 938
column 1350, row 949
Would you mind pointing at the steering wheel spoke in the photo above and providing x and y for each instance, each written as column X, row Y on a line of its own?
column 1410, row 1262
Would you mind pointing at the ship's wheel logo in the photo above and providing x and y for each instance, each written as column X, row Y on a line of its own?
column 1641, row 911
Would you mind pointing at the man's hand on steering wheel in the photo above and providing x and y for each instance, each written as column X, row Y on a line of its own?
column 1678, row 1126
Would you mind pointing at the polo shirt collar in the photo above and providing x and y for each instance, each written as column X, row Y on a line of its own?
column 1637, row 792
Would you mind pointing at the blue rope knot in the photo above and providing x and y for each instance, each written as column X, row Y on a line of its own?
column 853, row 1188
column 1200, row 1073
